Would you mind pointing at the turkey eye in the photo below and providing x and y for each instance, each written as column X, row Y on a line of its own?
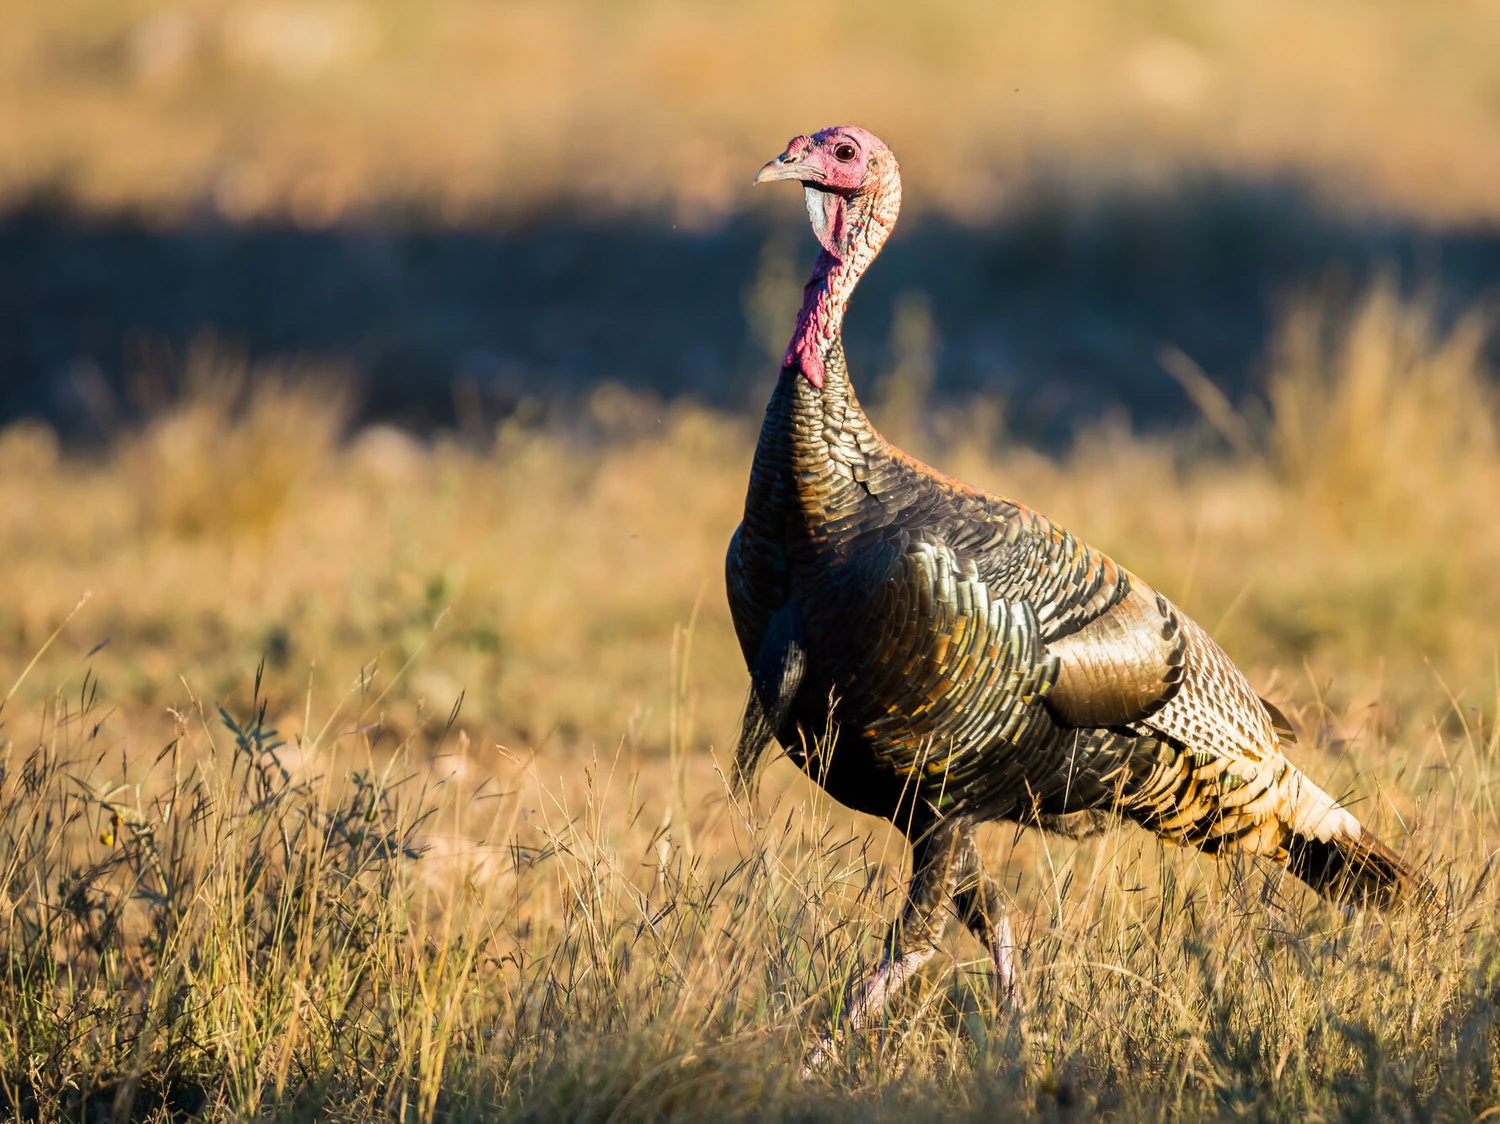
column 845, row 152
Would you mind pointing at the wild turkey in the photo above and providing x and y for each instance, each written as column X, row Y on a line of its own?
column 972, row 660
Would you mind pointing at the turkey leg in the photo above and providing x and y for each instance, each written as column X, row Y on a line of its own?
column 979, row 902
column 941, row 856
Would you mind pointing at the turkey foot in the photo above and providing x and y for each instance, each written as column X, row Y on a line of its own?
column 866, row 1002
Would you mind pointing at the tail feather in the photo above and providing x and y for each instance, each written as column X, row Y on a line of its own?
column 1357, row 870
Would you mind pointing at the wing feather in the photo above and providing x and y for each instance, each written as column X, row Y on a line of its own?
column 1122, row 666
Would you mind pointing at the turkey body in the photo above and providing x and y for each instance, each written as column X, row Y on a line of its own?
column 933, row 623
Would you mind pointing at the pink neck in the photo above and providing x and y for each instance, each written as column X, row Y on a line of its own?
column 863, row 231
column 821, row 318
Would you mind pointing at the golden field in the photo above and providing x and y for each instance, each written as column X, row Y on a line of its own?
column 489, row 866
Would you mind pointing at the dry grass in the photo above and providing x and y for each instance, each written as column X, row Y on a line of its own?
column 310, row 108
column 492, row 870
column 227, row 934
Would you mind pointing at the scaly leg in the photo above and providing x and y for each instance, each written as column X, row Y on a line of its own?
column 936, row 862
column 979, row 902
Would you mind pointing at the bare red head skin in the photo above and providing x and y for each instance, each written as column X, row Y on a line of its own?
column 853, row 193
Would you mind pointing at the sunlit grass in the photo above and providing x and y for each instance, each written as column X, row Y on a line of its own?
column 239, row 924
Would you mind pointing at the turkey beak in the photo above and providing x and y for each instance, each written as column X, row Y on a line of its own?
column 785, row 167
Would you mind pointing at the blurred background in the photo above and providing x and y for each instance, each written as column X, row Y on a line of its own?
column 322, row 321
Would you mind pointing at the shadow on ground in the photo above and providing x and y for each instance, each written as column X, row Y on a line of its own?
column 1059, row 306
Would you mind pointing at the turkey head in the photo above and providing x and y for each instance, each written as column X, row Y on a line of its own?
column 835, row 167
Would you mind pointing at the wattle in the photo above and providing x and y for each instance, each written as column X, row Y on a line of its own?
column 803, row 355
